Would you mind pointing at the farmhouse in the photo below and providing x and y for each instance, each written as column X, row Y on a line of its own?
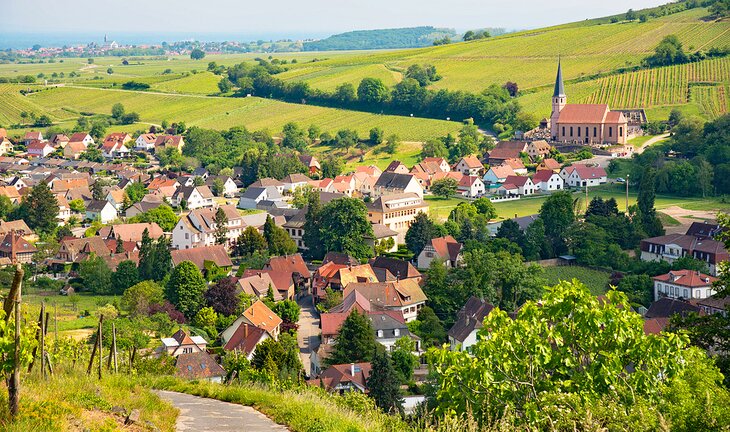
column 469, row 165
column 169, row 141
column 547, row 180
column 444, row 248
column 394, row 183
column 583, row 175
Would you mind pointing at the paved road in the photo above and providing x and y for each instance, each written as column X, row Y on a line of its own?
column 308, row 334
column 202, row 414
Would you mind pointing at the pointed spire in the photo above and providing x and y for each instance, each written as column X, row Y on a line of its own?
column 559, row 89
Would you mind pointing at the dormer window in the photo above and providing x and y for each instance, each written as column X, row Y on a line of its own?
column 380, row 333
column 396, row 332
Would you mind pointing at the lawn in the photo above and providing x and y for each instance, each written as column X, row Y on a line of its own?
column 531, row 205
column 71, row 318
column 439, row 207
column 407, row 152
column 595, row 280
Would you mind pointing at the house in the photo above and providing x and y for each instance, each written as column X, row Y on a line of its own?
column 517, row 166
column 11, row 193
column 344, row 184
column 522, row 222
column 257, row 315
column 469, row 165
column 683, row 284
column 400, row 269
column 337, row 276
column 396, row 167
column 294, row 181
column 673, row 246
column 39, row 149
column 81, row 137
column 131, row 232
column 199, row 366
column 145, row 142
column 284, row 285
column 193, row 197
column 344, row 378
column 382, row 235
column 388, row 326
column 17, row 249
column 101, row 210
column 403, row 295
column 198, row 227
column 32, row 136
column 443, row 248
column 245, row 339
column 471, row 186
column 538, row 149
column 74, row 149
column 112, row 149
column 370, row 170
column 395, row 183
column 18, row 226
column 523, row 184
column 442, row 163
column 6, row 146
column 549, row 164
column 463, row 334
column 148, row 203
column 204, row 257
column 229, row 186
column 268, row 182
column 182, row 343
column 116, row 198
column 583, row 175
column 498, row 156
column 75, row 250
column 169, row 141
column 59, row 140
column 498, row 173
column 293, row 264
column 396, row 212
column 714, row 305
column 547, row 180
column 251, row 198
column 311, row 163
column 667, row 307
column 257, row 285
column 584, row 123
column 64, row 211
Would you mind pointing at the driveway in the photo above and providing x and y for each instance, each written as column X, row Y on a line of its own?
column 202, row 414
column 308, row 334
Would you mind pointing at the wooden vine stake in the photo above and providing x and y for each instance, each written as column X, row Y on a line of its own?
column 13, row 301
column 96, row 351
column 43, row 340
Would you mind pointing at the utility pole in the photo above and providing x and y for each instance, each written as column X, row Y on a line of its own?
column 627, row 193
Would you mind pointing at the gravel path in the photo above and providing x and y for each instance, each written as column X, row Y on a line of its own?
column 201, row 414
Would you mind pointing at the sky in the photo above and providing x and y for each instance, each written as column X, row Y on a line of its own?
column 295, row 18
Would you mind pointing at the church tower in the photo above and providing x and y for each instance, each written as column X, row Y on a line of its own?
column 559, row 101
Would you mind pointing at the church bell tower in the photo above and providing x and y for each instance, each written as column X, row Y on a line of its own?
column 559, row 101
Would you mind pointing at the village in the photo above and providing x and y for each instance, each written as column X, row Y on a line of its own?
column 114, row 213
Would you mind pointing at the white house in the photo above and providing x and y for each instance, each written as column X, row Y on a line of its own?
column 254, row 195
column 101, row 210
column 114, row 149
column 145, row 142
column 293, row 181
column 442, row 163
column 684, row 284
column 547, row 180
column 471, row 186
column 198, row 227
column 523, row 184
column 82, row 137
column 182, row 343
column 498, row 173
column 268, row 182
column 390, row 183
column 463, row 334
column 583, row 175
column 194, row 197
column 444, row 248
column 229, row 186
column 40, row 148
column 469, row 165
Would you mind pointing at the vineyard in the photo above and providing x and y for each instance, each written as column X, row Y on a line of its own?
column 13, row 103
column 224, row 113
column 712, row 100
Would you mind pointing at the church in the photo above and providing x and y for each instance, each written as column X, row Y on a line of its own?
column 584, row 123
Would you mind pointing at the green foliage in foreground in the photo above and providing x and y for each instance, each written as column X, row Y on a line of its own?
column 575, row 361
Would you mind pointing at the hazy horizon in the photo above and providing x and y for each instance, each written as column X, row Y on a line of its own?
column 224, row 19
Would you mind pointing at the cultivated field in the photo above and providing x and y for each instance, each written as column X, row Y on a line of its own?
column 65, row 103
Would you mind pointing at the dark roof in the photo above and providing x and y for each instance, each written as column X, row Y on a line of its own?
column 340, row 258
column 471, row 316
column 665, row 307
column 393, row 180
column 198, row 365
column 559, row 88
column 525, row 221
column 96, row 205
column 704, row 229
column 387, row 323
column 401, row 269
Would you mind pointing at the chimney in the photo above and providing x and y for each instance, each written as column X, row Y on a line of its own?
column 352, row 369
column 245, row 330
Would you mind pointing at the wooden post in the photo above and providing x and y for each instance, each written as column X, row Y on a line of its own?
column 43, row 339
column 97, row 346
column 50, row 366
column 101, row 356
column 114, row 347
column 38, row 340
column 14, row 380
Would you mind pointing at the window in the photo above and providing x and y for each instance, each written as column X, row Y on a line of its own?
column 396, row 332
column 380, row 333
column 586, row 131
column 579, row 131
column 620, row 131
column 610, row 131
column 187, row 236
column 563, row 130
column 571, row 131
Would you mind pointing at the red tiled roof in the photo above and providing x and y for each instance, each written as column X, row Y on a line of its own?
column 261, row 316
column 517, row 180
column 472, row 162
column 502, row 171
column 583, row 113
column 585, row 172
column 686, row 278
column 199, row 255
column 245, row 338
column 542, row 176
column 446, row 247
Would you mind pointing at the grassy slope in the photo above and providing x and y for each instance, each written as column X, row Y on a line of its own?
column 596, row 280
column 222, row 113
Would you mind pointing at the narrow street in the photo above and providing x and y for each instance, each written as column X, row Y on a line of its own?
column 308, row 335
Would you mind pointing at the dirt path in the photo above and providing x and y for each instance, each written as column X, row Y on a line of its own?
column 201, row 414
column 651, row 141
column 686, row 217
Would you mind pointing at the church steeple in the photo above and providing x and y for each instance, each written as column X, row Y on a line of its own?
column 559, row 89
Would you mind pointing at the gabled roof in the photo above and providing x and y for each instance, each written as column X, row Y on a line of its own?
column 686, row 278
column 583, row 114
column 261, row 316
column 543, row 176
column 550, row 164
column 514, row 163
column 200, row 255
column 503, row 153
column 132, row 232
column 336, row 375
column 258, row 285
column 340, row 258
column 295, row 178
column 283, row 280
column 389, row 294
column 186, row 191
column 704, row 229
column 502, row 170
column 519, row 146
column 265, row 182
column 471, row 162
column 14, row 243
column 198, row 365
column 585, row 172
column 78, row 137
column 665, row 307
column 517, row 180
column 95, row 206
column 394, row 165
column 402, row 269
column 383, row 203
column 167, row 140
column 446, row 247
column 245, row 338
column 394, row 180
column 470, row 317
column 290, row 263
column 254, row 192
